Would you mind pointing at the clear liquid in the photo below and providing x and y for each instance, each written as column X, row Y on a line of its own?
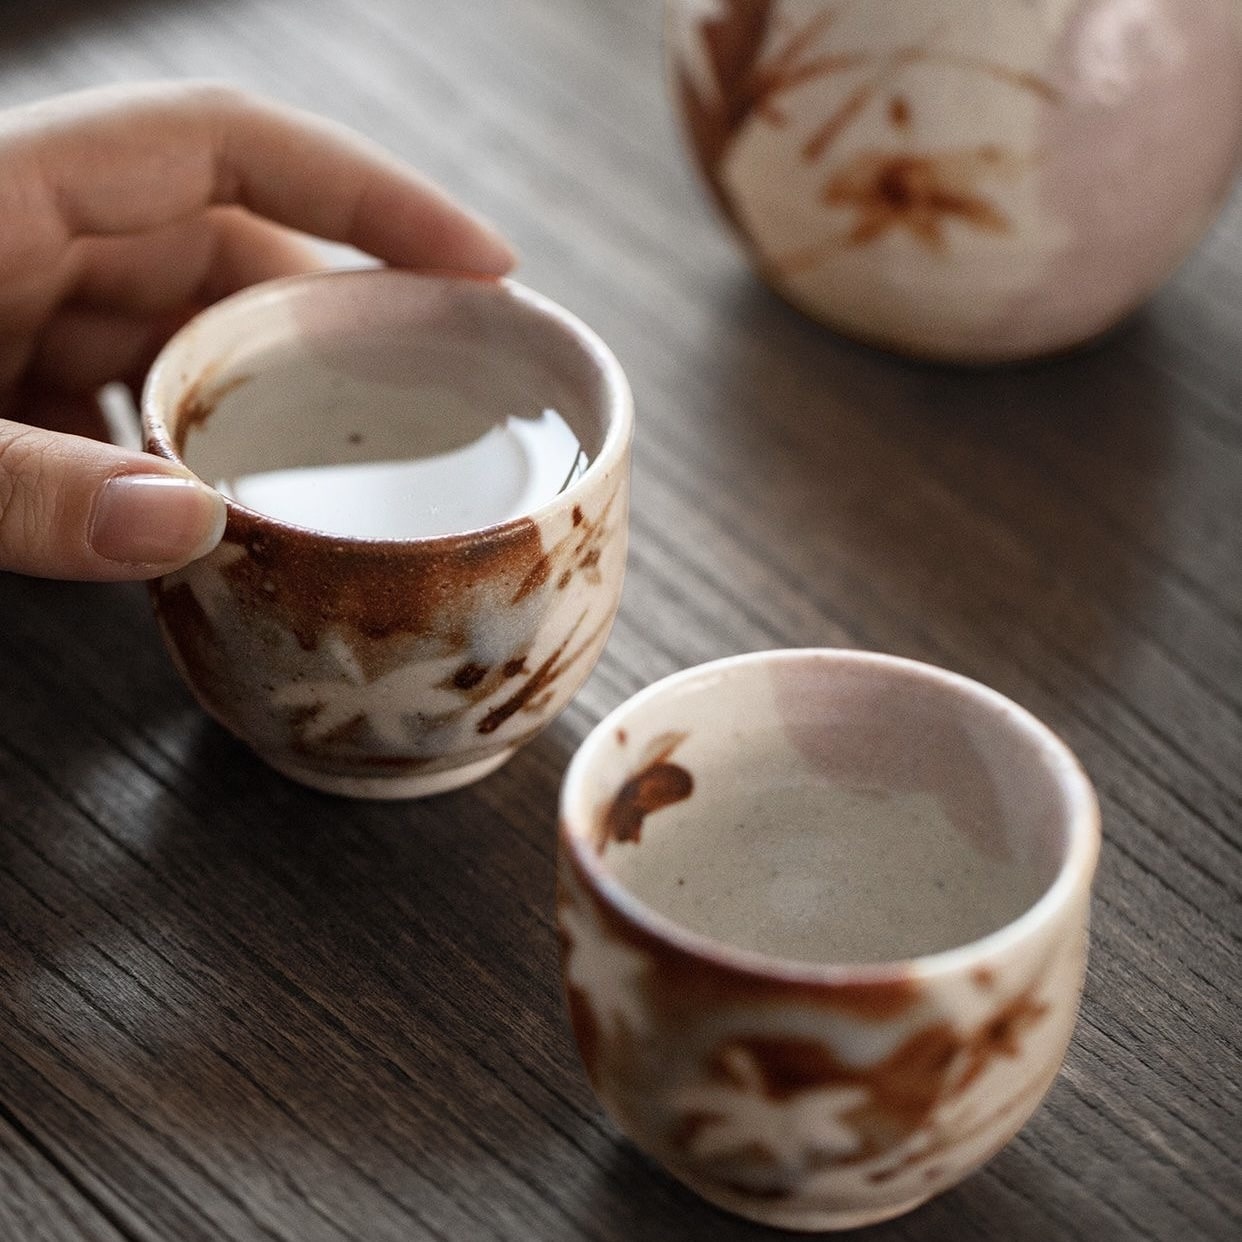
column 427, row 446
column 509, row 470
column 804, row 869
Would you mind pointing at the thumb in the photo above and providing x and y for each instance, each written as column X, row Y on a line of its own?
column 75, row 508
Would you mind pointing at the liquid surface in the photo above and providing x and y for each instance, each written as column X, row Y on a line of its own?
column 508, row 471
column 386, row 456
column 812, row 871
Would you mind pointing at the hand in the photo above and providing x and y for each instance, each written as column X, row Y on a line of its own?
column 124, row 210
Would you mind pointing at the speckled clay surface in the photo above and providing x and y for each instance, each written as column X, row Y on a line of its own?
column 963, row 180
column 820, row 1094
column 388, row 667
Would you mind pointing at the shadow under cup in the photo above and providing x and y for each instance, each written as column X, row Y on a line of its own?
column 824, row 926
column 427, row 482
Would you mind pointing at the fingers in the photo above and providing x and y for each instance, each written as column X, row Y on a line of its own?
column 248, row 250
column 82, row 349
column 192, row 262
column 314, row 175
column 75, row 508
column 131, row 159
column 132, row 293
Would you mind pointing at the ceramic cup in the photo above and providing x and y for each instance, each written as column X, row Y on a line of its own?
column 824, row 923
column 449, row 408
column 959, row 180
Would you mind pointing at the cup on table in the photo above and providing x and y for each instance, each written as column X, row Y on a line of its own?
column 427, row 484
column 961, row 189
column 823, row 918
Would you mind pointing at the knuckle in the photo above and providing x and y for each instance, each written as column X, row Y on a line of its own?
column 26, row 500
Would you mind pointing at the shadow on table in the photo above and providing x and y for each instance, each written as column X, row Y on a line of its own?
column 999, row 1201
column 23, row 25
column 949, row 502
column 364, row 996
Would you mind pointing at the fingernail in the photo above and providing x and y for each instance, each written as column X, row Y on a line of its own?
column 156, row 519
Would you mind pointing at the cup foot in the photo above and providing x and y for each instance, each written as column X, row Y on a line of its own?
column 392, row 788
column 794, row 1218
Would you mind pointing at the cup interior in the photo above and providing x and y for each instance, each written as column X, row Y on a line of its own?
column 827, row 807
column 387, row 405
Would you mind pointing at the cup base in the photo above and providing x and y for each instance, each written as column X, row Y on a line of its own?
column 393, row 788
column 798, row 1219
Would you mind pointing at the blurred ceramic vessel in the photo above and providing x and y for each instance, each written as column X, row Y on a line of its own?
column 391, row 667
column 965, row 180
column 823, row 1092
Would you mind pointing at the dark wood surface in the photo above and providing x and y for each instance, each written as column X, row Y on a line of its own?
column 234, row 1009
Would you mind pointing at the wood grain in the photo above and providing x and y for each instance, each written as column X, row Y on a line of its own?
column 233, row 1009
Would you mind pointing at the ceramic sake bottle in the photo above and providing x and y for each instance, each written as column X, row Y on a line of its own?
column 966, row 180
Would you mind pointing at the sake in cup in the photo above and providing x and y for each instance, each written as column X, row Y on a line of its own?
column 824, row 924
column 427, row 482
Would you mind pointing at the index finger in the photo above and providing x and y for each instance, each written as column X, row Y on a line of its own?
column 128, row 159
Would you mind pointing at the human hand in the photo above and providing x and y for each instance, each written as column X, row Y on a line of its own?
column 122, row 212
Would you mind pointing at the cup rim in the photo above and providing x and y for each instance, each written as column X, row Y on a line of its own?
column 618, row 406
column 1076, row 868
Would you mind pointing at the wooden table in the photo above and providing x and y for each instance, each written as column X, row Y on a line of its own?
column 234, row 1009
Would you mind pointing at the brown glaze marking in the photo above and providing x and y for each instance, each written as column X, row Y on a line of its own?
column 380, row 589
column 918, row 193
column 581, row 1014
column 545, row 673
column 590, row 535
column 656, row 785
column 475, row 683
column 818, row 144
column 469, row 675
column 946, row 1140
column 899, row 113
column 198, row 403
column 876, row 1001
column 983, row 977
column 1017, row 78
column 622, row 737
column 690, row 1125
column 791, row 65
column 933, row 1065
column 347, row 735
column 654, row 788
column 585, row 1028
column 586, row 552
column 1001, row 1035
column 178, row 607
column 786, row 1066
column 543, row 677
column 537, row 575
column 191, row 634
column 733, row 42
